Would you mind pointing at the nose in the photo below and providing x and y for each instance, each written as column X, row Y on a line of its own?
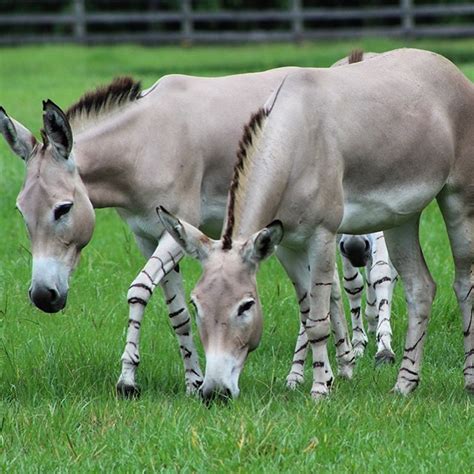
column 356, row 249
column 210, row 392
column 47, row 299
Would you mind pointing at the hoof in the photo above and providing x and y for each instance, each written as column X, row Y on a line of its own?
column 293, row 380
column 319, row 392
column 192, row 388
column 126, row 391
column 383, row 357
column 358, row 350
column 404, row 388
column 469, row 388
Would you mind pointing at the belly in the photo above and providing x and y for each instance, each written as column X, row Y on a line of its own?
column 374, row 211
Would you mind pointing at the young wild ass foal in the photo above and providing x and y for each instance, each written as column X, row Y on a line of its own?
column 353, row 150
column 172, row 144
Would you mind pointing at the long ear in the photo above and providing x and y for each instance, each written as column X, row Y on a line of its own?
column 57, row 128
column 19, row 138
column 262, row 244
column 191, row 240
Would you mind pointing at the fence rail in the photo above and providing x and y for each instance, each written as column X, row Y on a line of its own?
column 185, row 25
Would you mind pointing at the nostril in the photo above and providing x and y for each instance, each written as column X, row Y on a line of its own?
column 54, row 295
column 367, row 245
column 341, row 246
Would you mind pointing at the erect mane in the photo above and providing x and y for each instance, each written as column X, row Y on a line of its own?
column 356, row 56
column 251, row 133
column 102, row 101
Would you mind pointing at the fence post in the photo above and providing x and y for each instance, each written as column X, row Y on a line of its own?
column 79, row 20
column 407, row 17
column 296, row 19
column 186, row 22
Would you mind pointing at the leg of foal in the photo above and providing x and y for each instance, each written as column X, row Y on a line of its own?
column 353, row 285
column 407, row 257
column 382, row 280
column 163, row 260
column 460, row 227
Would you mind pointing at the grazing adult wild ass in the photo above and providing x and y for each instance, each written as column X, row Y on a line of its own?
column 358, row 251
column 173, row 144
column 355, row 150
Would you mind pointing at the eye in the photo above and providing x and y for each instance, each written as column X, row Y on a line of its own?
column 62, row 210
column 245, row 307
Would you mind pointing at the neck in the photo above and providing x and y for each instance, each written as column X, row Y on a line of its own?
column 105, row 161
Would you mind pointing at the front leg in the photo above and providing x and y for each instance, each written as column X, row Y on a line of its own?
column 163, row 260
column 181, row 322
column 354, row 285
column 317, row 324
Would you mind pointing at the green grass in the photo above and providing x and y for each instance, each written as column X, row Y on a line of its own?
column 58, row 411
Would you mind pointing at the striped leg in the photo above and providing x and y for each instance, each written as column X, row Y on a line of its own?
column 163, row 260
column 322, row 261
column 353, row 285
column 382, row 277
column 344, row 352
column 181, row 322
column 405, row 251
column 460, row 229
column 296, row 267
column 371, row 310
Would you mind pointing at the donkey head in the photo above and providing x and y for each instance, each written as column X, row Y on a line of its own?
column 54, row 204
column 228, row 311
column 356, row 248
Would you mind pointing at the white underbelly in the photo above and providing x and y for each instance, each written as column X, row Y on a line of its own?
column 373, row 212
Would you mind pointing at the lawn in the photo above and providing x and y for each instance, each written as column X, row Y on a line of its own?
column 58, row 410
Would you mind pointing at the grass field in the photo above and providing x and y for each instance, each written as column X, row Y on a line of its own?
column 58, row 410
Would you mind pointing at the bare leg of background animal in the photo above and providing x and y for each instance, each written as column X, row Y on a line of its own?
column 382, row 278
column 297, row 269
column 407, row 257
column 353, row 285
column 461, row 231
column 163, row 260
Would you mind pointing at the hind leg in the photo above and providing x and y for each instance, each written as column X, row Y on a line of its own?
column 459, row 219
column 407, row 257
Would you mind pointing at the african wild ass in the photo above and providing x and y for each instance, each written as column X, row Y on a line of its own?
column 173, row 144
column 354, row 149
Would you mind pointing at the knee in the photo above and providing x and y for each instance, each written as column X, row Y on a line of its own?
column 317, row 330
column 422, row 292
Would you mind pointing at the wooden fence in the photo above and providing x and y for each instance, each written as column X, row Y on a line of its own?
column 183, row 26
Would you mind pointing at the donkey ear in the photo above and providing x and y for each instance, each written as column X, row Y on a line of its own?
column 262, row 244
column 57, row 128
column 19, row 138
column 190, row 239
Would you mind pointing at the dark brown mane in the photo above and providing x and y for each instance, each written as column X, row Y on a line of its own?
column 245, row 143
column 356, row 56
column 104, row 99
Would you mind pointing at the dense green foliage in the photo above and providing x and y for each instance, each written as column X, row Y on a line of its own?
column 58, row 411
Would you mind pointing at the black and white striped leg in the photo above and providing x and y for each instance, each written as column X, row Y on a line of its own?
column 460, row 229
column 344, row 352
column 371, row 309
column 164, row 259
column 296, row 375
column 407, row 257
column 181, row 322
column 353, row 286
column 317, row 325
column 382, row 277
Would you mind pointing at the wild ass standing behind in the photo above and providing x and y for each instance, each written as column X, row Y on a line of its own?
column 352, row 150
column 172, row 144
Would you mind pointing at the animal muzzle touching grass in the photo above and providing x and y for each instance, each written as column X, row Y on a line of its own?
column 49, row 285
column 221, row 381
